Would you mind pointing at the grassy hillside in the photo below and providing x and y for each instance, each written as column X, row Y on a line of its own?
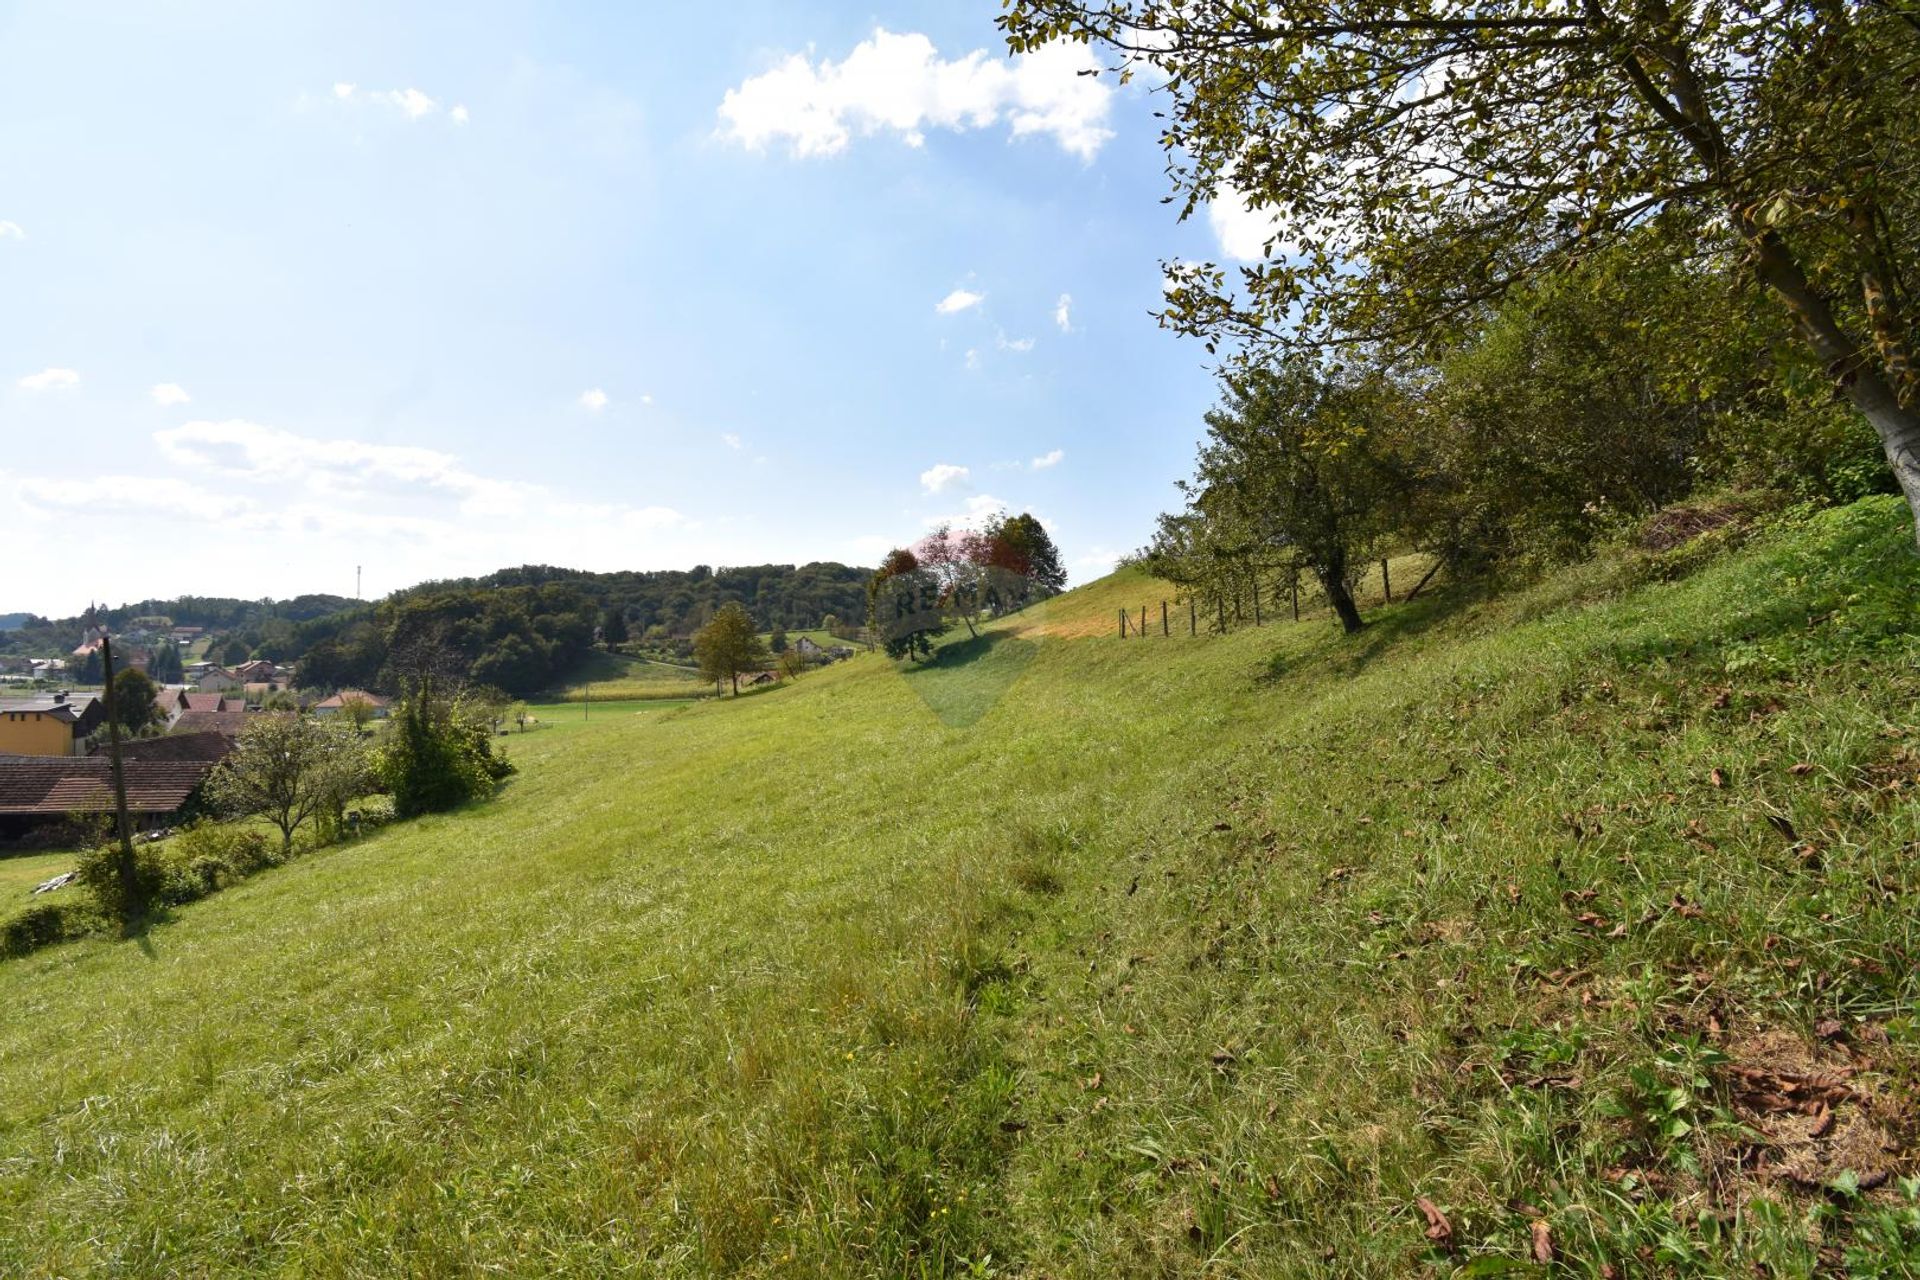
column 607, row 677
column 1075, row 957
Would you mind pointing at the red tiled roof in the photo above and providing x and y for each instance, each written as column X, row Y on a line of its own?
column 205, row 700
column 55, row 785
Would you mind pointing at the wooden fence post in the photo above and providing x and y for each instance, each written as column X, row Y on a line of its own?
column 1123, row 624
column 1164, row 629
column 1222, row 602
column 1193, row 617
column 1143, row 622
column 1386, row 582
column 1256, row 602
column 1296, row 593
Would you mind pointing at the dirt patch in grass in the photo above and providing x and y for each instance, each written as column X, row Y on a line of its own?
column 1825, row 1115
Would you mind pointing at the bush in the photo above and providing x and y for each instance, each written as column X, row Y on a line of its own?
column 99, row 871
column 439, row 755
column 48, row 922
column 209, row 856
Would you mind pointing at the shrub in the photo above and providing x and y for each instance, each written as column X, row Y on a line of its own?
column 439, row 755
column 48, row 922
column 209, row 856
column 99, row 871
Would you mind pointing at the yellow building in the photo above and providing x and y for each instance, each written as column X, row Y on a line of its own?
column 51, row 725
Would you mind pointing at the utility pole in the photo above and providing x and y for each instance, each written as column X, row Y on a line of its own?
column 129, row 876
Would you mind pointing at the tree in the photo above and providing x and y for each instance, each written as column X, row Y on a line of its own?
column 778, row 641
column 957, row 559
column 903, row 606
column 728, row 646
column 1022, row 563
column 439, row 753
column 357, row 709
column 133, row 699
column 166, row 667
column 613, row 631
column 290, row 769
column 1419, row 161
column 234, row 652
column 1296, row 470
column 91, row 671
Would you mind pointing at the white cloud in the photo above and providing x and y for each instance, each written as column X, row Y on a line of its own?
column 732, row 441
column 979, row 509
column 50, row 380
column 899, row 83
column 412, row 103
column 346, row 484
column 1049, row 459
column 973, row 359
column 959, row 300
column 1242, row 230
column 1063, row 313
column 12, row 231
column 940, row 475
column 593, row 400
column 1020, row 345
column 170, row 393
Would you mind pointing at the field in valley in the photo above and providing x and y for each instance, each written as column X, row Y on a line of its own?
column 1577, row 921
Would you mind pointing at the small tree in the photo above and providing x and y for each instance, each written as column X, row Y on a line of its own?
column 357, row 710
column 133, row 699
column 290, row 769
column 613, row 630
column 778, row 641
column 439, row 754
column 729, row 646
column 903, row 606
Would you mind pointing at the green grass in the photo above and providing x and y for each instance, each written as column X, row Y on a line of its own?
column 1068, row 957
column 611, row 677
column 20, row 873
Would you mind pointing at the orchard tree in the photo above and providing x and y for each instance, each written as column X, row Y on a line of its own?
column 903, row 606
column 1021, row 561
column 1297, row 470
column 290, row 770
column 1418, row 160
column 957, row 561
column 728, row 646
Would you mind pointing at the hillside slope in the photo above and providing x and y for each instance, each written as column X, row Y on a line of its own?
column 1072, row 956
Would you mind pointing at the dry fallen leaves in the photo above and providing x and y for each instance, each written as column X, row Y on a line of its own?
column 1542, row 1240
column 1439, row 1230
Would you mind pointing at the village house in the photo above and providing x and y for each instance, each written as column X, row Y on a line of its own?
column 217, row 678
column 53, row 724
column 339, row 701
column 254, row 672
column 806, row 647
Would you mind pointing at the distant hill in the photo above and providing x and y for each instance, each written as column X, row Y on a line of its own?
column 13, row 621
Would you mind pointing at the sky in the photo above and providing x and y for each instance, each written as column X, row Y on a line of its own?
column 437, row 289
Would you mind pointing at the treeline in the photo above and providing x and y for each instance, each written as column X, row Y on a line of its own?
column 1577, row 405
column 1529, row 269
column 522, row 630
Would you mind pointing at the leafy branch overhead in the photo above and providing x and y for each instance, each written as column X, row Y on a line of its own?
column 1421, row 161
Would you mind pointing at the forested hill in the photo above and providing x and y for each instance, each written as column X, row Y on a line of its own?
column 261, row 620
column 523, row 629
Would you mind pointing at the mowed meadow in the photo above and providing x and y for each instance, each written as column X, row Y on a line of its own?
column 1491, row 934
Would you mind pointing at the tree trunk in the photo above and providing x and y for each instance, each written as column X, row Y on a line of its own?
column 1852, row 369
column 1342, row 601
column 132, row 905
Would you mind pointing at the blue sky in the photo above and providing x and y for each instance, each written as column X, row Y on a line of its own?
column 436, row 289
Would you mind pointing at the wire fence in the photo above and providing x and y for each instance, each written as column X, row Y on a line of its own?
column 1284, row 595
